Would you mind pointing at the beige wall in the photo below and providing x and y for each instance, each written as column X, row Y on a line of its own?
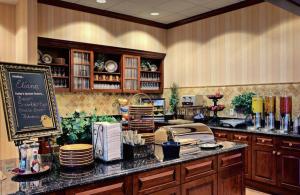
column 254, row 45
column 7, row 32
column 61, row 23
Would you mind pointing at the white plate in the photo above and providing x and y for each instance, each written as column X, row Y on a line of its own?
column 47, row 59
column 209, row 146
column 111, row 66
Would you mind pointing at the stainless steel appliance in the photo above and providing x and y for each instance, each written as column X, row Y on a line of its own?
column 192, row 100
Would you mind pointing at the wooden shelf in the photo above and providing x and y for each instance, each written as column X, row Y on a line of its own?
column 113, row 73
column 149, row 71
column 60, row 77
column 83, row 77
column 107, row 81
column 82, row 64
column 61, row 89
column 64, row 65
column 150, row 81
column 108, row 90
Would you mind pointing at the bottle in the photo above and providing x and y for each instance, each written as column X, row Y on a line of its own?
column 23, row 157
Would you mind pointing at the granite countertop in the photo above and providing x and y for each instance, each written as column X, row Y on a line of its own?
column 261, row 131
column 59, row 179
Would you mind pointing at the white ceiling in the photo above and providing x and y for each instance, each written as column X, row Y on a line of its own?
column 169, row 10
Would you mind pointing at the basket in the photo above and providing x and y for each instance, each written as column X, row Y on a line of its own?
column 141, row 117
column 137, row 151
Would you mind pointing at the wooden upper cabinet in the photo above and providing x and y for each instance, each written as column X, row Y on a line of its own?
column 82, row 67
column 131, row 73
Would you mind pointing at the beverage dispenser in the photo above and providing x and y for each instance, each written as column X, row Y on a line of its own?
column 257, row 109
column 285, row 113
column 270, row 109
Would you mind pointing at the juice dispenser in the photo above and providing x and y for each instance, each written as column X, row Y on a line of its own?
column 285, row 113
column 257, row 109
column 270, row 109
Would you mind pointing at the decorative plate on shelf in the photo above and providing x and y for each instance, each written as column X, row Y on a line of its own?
column 47, row 59
column 99, row 65
column 111, row 66
column 153, row 67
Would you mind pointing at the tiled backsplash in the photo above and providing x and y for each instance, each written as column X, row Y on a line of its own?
column 104, row 103
column 232, row 91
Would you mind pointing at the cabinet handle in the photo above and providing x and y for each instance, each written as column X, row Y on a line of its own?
column 290, row 144
column 278, row 153
column 263, row 141
column 274, row 152
column 240, row 137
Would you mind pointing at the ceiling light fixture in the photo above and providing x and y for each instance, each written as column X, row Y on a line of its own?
column 101, row 1
column 154, row 14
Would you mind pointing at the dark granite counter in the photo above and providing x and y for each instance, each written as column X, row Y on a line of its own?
column 261, row 131
column 59, row 179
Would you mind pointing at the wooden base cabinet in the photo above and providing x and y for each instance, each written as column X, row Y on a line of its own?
column 205, row 186
column 289, row 169
column 272, row 163
column 264, row 160
column 215, row 175
column 113, row 187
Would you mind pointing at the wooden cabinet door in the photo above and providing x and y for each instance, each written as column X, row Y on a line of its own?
column 131, row 73
column 245, row 138
column 204, row 186
column 222, row 135
column 169, row 191
column 156, row 180
column 264, row 160
column 113, row 187
column 82, row 68
column 231, row 173
column 289, row 169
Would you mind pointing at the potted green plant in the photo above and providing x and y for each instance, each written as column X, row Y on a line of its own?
column 243, row 103
column 78, row 127
column 174, row 99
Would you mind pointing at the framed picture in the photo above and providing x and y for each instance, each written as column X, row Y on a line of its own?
column 28, row 101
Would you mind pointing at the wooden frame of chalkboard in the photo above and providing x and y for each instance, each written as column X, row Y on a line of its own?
column 28, row 101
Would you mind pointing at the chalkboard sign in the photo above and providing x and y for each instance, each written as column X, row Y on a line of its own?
column 29, row 101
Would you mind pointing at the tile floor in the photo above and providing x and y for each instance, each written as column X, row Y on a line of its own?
column 254, row 192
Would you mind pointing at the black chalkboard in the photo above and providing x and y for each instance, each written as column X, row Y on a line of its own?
column 29, row 101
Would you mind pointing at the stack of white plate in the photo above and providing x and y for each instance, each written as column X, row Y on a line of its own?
column 76, row 155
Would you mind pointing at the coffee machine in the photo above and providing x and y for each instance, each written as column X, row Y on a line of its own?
column 285, row 113
column 257, row 109
column 270, row 110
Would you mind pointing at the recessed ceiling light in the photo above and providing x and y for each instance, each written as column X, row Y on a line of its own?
column 154, row 14
column 101, row 1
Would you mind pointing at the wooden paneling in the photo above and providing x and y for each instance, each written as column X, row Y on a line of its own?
column 26, row 31
column 254, row 45
column 66, row 24
column 7, row 32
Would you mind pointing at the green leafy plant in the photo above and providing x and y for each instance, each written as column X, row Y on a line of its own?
column 78, row 127
column 174, row 99
column 243, row 103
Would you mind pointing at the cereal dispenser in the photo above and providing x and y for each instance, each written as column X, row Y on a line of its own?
column 285, row 113
column 270, row 109
column 257, row 109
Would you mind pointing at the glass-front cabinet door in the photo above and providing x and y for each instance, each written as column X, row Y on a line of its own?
column 131, row 73
column 82, row 70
